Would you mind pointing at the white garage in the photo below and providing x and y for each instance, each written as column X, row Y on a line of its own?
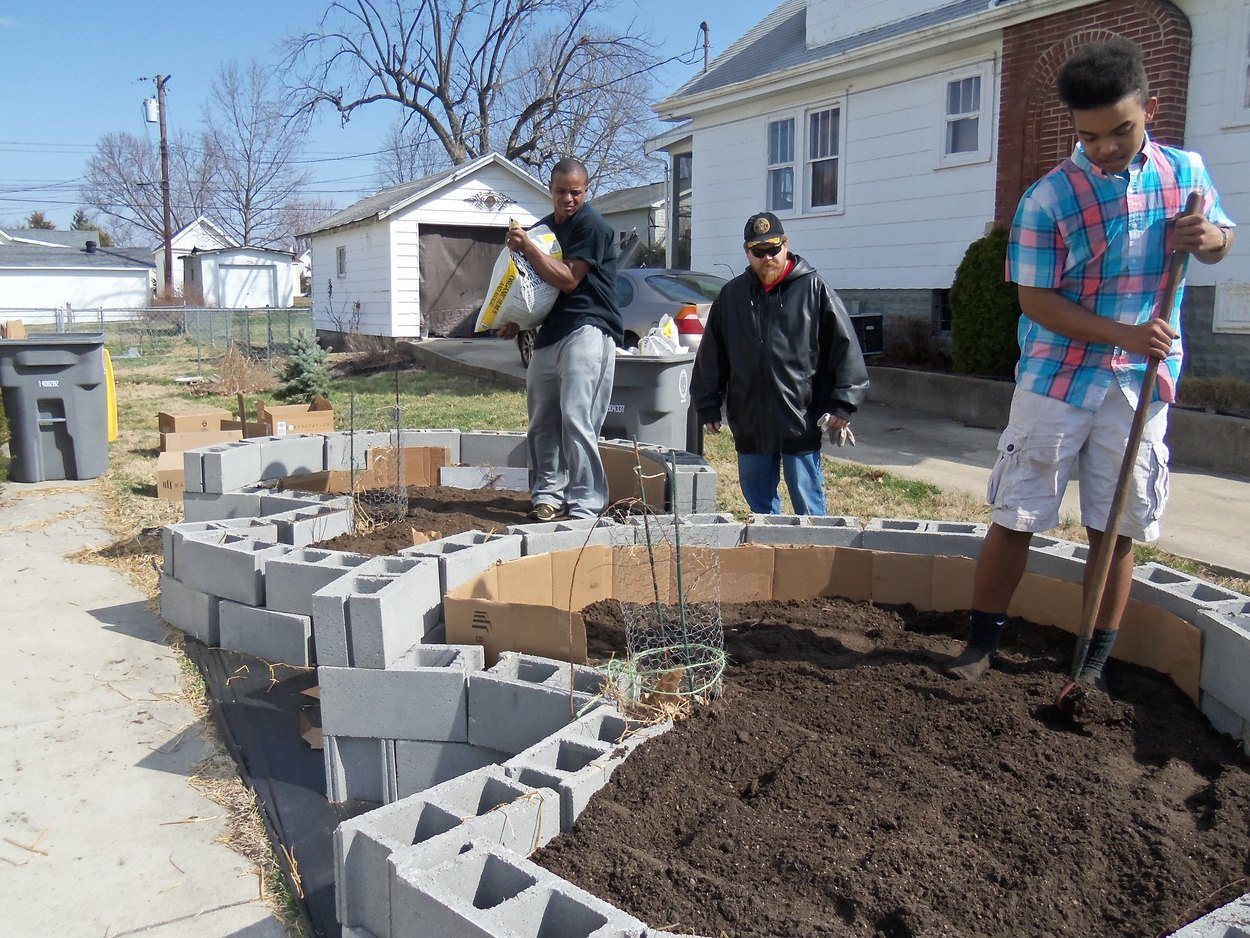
column 240, row 278
column 52, row 275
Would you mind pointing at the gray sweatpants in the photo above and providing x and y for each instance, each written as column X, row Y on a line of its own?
column 568, row 386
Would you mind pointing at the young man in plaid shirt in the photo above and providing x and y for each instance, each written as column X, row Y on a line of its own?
column 1089, row 252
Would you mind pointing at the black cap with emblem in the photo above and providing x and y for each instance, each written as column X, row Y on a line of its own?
column 763, row 228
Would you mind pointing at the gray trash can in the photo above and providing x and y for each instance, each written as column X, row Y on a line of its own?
column 56, row 401
column 651, row 400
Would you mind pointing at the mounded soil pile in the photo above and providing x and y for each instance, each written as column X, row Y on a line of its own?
column 843, row 786
column 439, row 511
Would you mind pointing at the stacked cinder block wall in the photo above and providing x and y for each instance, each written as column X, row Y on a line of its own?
column 476, row 767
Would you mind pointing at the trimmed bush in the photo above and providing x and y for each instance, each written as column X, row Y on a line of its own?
column 306, row 373
column 985, row 310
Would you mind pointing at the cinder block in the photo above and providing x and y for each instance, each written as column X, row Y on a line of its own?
column 484, row 803
column 427, row 702
column 461, row 557
column 705, row 490
column 345, row 451
column 173, row 534
column 1229, row 921
column 349, row 932
column 1059, row 560
column 305, row 526
column 422, row 764
column 695, row 489
column 1178, row 593
column 571, row 534
column 503, row 478
column 355, row 769
column 274, row 636
column 1234, row 609
column 1226, row 660
column 275, row 503
column 523, row 700
column 232, row 568
column 217, row 506
column 291, row 455
column 447, row 438
column 357, row 614
column 190, row 610
column 230, row 466
column 716, row 534
column 1221, row 716
column 290, row 581
column 911, row 536
column 193, row 471
column 575, row 768
column 823, row 530
column 492, row 448
column 606, row 724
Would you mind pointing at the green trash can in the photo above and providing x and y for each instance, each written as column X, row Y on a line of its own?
column 56, row 401
column 651, row 400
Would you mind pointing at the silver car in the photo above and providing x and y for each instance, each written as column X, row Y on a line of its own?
column 644, row 294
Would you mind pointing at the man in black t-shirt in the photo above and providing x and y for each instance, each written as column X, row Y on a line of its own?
column 569, row 379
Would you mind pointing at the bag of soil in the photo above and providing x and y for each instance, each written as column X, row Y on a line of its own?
column 516, row 293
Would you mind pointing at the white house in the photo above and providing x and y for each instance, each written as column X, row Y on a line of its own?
column 889, row 135
column 41, row 270
column 415, row 259
column 639, row 211
column 203, row 234
column 240, row 278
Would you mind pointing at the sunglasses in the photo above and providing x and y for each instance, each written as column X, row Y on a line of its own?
column 766, row 252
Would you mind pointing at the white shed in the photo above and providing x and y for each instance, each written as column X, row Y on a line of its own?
column 55, row 274
column 240, row 278
column 203, row 234
column 415, row 259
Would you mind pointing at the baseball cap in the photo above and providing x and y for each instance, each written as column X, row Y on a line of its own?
column 763, row 228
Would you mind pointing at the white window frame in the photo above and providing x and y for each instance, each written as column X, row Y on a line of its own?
column 340, row 261
column 1232, row 307
column 1237, row 71
column 838, row 104
column 801, row 162
column 984, row 115
column 781, row 165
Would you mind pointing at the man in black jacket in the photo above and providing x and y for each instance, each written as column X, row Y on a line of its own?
column 780, row 354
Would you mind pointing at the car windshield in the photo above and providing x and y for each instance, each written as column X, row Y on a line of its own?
column 686, row 287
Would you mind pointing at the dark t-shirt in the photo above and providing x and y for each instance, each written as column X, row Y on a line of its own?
column 585, row 237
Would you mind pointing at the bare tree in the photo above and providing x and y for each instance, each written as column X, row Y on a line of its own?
column 457, row 65
column 409, row 151
column 123, row 182
column 301, row 214
column 255, row 146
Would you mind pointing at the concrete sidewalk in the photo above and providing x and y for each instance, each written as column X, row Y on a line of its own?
column 102, row 833
column 1207, row 519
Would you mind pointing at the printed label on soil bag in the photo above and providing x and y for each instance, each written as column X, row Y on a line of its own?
column 516, row 293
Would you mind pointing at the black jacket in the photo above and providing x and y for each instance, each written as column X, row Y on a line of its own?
column 778, row 361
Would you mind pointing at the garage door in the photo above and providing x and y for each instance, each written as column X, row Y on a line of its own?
column 455, row 264
column 248, row 285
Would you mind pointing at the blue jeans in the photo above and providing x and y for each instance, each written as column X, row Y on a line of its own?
column 759, row 476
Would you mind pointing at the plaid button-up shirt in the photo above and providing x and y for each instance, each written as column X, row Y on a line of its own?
column 1101, row 241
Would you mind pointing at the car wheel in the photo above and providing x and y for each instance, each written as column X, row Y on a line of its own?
column 525, row 345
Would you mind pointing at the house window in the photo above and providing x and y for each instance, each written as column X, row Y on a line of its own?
column 340, row 258
column 824, row 135
column 941, row 311
column 781, row 165
column 683, row 174
column 965, row 123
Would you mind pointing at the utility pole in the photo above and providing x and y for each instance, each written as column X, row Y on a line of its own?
column 161, row 82
column 707, row 43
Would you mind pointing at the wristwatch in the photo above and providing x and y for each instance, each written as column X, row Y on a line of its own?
column 1223, row 244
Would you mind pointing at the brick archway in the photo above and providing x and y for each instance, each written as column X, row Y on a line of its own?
column 1035, row 132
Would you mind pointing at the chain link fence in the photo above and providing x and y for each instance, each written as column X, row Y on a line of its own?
column 259, row 334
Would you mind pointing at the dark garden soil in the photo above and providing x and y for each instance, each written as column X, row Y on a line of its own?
column 439, row 511
column 843, row 786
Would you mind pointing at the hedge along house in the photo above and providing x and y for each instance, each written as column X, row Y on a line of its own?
column 240, row 278
column 68, row 270
column 891, row 135
column 415, row 260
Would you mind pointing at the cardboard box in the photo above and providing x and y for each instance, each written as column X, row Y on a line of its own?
column 194, row 421
column 170, row 479
column 180, row 442
column 249, row 429
column 289, row 419
column 13, row 329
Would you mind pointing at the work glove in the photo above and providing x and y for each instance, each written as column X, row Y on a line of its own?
column 839, row 435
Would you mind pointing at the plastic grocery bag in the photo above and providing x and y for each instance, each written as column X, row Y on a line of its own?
column 517, row 294
column 662, row 339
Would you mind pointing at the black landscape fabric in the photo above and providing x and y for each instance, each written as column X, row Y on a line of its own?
column 256, row 711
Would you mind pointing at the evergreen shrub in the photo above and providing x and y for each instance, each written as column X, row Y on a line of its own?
column 985, row 310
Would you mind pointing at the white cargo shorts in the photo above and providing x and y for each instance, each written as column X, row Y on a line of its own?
column 1046, row 439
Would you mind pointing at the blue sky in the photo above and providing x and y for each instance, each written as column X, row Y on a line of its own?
column 73, row 71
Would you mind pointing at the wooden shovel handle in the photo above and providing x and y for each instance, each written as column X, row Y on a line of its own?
column 1102, row 562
